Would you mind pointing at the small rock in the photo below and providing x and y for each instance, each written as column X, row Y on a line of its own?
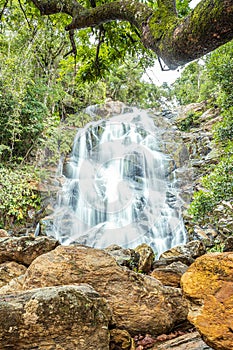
column 146, row 259
column 121, row 339
column 170, row 275
column 124, row 256
column 4, row 233
column 10, row 270
column 228, row 244
column 188, row 341
column 191, row 251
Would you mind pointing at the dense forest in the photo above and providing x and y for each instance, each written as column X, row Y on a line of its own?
column 48, row 76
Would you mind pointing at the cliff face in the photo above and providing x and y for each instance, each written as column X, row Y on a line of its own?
column 200, row 155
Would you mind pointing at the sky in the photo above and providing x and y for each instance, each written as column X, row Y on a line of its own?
column 158, row 76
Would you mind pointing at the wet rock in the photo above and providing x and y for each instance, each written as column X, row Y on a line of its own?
column 64, row 318
column 228, row 244
column 10, row 270
column 25, row 249
column 146, row 259
column 189, row 341
column 139, row 302
column 207, row 234
column 186, row 253
column 170, row 275
column 124, row 256
column 208, row 284
column 109, row 109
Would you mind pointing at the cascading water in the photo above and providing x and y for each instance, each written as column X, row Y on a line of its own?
column 116, row 190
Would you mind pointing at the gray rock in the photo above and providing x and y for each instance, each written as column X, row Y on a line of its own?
column 64, row 318
column 25, row 249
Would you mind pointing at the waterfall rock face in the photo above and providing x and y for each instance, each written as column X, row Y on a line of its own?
column 118, row 188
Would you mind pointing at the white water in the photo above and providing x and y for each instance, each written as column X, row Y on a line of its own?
column 116, row 191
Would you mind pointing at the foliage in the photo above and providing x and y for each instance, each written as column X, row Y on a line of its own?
column 212, row 80
column 18, row 195
column 218, row 186
column 224, row 130
column 187, row 87
column 191, row 120
column 124, row 83
column 183, row 8
column 220, row 69
column 21, row 122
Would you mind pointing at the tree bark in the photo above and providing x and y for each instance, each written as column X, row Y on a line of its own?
column 176, row 41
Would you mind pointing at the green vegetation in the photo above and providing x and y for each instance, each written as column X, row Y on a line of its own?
column 212, row 81
column 191, row 120
column 19, row 197
column 46, row 83
column 218, row 186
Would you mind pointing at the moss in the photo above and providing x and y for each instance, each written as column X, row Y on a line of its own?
column 162, row 23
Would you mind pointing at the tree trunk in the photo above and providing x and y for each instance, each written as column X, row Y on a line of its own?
column 176, row 41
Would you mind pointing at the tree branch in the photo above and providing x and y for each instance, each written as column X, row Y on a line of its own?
column 176, row 41
column 3, row 9
column 134, row 12
column 50, row 7
column 24, row 13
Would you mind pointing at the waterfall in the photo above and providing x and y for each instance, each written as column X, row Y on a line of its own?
column 116, row 190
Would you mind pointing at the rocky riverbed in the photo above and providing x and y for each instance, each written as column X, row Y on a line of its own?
column 77, row 297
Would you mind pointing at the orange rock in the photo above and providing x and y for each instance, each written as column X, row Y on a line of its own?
column 208, row 284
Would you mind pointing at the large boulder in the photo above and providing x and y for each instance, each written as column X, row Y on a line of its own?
column 25, row 249
column 208, row 284
column 64, row 318
column 139, row 302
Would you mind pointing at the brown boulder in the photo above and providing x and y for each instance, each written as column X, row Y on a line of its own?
column 170, row 275
column 25, row 249
column 10, row 270
column 208, row 284
column 64, row 318
column 15, row 285
column 139, row 302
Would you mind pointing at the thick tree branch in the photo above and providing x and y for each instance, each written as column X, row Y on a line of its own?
column 176, row 41
column 209, row 26
column 131, row 11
